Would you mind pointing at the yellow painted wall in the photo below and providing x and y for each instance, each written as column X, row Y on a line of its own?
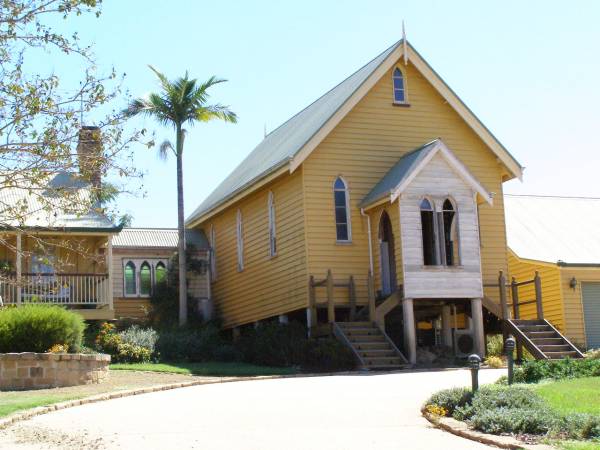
column 267, row 286
column 573, row 305
column 364, row 146
column 524, row 270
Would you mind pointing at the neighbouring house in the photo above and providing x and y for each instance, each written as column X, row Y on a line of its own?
column 558, row 238
column 55, row 253
column 141, row 258
column 376, row 213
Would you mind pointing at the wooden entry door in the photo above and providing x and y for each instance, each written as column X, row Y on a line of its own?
column 387, row 256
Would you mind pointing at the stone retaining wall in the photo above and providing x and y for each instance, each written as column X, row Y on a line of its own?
column 45, row 370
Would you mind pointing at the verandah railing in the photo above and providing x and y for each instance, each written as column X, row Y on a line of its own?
column 56, row 288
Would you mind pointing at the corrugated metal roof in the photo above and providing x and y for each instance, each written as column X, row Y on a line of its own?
column 552, row 229
column 398, row 173
column 46, row 209
column 157, row 238
column 284, row 142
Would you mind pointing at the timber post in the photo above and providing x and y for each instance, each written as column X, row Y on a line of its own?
column 538, row 295
column 514, row 292
column 330, row 302
column 503, row 304
column 352, row 298
column 371, row 292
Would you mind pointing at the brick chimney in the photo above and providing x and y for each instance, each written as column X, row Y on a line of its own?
column 89, row 154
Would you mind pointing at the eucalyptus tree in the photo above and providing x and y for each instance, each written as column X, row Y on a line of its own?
column 183, row 101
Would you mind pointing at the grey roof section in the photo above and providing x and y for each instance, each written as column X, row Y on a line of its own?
column 284, row 142
column 157, row 238
column 552, row 229
column 40, row 205
column 398, row 173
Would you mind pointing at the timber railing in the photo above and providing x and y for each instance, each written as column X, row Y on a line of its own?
column 515, row 302
column 329, row 284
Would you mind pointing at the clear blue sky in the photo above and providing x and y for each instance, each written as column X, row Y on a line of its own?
column 529, row 70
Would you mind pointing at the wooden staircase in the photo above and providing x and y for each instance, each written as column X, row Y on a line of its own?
column 541, row 339
column 537, row 335
column 373, row 349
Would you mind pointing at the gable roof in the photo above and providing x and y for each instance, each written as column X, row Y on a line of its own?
column 166, row 238
column 292, row 142
column 30, row 205
column 553, row 229
column 409, row 165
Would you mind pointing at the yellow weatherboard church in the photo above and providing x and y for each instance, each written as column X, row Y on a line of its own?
column 375, row 214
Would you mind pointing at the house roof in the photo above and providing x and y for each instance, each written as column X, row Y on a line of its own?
column 399, row 172
column 409, row 165
column 157, row 238
column 553, row 229
column 290, row 143
column 39, row 204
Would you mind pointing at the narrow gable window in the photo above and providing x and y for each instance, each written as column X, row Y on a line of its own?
column 428, row 233
column 213, row 253
column 399, row 90
column 342, row 211
column 272, row 232
column 240, row 241
column 145, row 279
column 450, row 245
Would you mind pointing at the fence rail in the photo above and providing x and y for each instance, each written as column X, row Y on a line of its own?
column 60, row 289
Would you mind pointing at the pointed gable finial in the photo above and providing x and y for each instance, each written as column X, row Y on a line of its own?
column 404, row 45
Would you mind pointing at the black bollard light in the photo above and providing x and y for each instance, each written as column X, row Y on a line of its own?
column 474, row 363
column 510, row 347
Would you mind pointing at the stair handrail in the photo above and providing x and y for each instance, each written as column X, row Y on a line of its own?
column 565, row 338
column 529, row 345
column 339, row 333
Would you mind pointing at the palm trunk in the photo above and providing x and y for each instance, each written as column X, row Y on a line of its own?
column 181, row 232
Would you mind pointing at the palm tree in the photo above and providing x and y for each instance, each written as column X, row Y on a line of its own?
column 180, row 102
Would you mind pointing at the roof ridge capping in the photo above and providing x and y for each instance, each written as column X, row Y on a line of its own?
column 292, row 142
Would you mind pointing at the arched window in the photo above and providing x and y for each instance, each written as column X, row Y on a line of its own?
column 213, row 253
column 145, row 279
column 240, row 241
column 450, row 247
column 429, row 233
column 343, row 227
column 160, row 273
column 399, row 89
column 272, row 231
column 130, row 282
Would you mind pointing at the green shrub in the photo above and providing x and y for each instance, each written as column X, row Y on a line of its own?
column 499, row 397
column 495, row 345
column 519, row 421
column 141, row 337
column 326, row 355
column 535, row 371
column 274, row 344
column 36, row 328
column 451, row 399
column 129, row 353
column 203, row 343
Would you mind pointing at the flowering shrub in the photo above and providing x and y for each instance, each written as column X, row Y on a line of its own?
column 122, row 346
column 59, row 348
column 494, row 362
column 436, row 410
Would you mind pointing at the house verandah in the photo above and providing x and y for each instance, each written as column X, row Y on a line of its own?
column 71, row 269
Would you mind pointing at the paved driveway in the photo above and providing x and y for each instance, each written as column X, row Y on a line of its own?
column 318, row 413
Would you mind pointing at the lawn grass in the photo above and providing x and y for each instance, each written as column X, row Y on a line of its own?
column 580, row 395
column 576, row 445
column 26, row 400
column 217, row 369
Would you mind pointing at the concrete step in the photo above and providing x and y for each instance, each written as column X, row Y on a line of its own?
column 535, row 328
column 366, row 346
column 541, row 334
column 561, row 355
column 366, row 338
column 548, row 341
column 383, row 361
column 367, row 354
column 362, row 332
column 348, row 325
column 555, row 348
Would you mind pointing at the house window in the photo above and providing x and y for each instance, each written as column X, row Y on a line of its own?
column 272, row 234
column 240, row 241
column 342, row 211
column 160, row 273
column 140, row 282
column 145, row 279
column 428, row 231
column 130, row 279
column 450, row 233
column 399, row 88
column 213, row 253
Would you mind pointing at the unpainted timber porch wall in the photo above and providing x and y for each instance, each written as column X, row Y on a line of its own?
column 363, row 147
column 268, row 286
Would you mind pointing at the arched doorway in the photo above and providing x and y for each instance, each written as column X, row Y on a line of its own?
column 387, row 255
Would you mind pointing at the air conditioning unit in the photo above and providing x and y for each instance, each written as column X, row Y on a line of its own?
column 464, row 342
